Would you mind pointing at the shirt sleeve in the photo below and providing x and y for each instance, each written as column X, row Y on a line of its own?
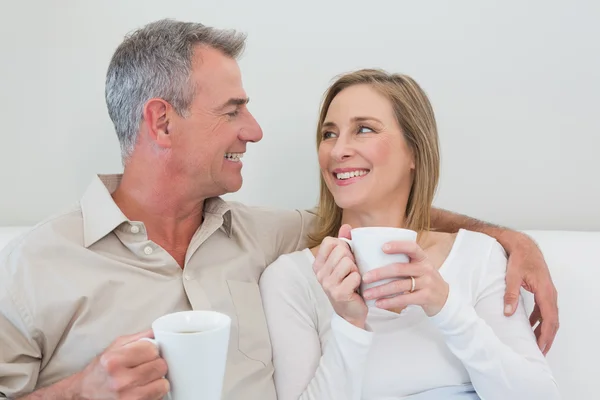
column 303, row 368
column 500, row 353
column 20, row 354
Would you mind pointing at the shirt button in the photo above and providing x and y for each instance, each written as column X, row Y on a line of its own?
column 135, row 229
column 187, row 277
column 148, row 250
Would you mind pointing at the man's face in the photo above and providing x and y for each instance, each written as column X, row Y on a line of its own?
column 209, row 141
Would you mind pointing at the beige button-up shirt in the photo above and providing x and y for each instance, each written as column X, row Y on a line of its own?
column 78, row 280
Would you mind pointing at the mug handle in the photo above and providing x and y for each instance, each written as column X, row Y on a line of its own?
column 153, row 341
column 343, row 239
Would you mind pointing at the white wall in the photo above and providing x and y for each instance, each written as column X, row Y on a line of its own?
column 515, row 87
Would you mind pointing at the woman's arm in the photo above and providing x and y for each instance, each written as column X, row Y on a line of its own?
column 302, row 369
column 499, row 352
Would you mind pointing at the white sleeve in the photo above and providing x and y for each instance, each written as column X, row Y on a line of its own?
column 302, row 369
column 500, row 353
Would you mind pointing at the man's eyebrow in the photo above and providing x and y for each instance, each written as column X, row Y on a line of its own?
column 234, row 102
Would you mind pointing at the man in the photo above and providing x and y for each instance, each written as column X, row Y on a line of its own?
column 80, row 289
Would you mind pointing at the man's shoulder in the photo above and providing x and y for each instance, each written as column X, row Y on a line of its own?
column 259, row 212
column 271, row 217
column 65, row 226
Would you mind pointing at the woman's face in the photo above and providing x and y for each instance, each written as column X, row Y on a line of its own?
column 363, row 155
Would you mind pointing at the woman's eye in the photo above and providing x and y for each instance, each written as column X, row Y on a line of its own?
column 328, row 135
column 364, row 129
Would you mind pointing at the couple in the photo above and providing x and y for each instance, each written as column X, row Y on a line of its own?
column 80, row 289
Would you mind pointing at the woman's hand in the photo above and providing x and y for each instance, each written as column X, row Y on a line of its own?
column 338, row 274
column 430, row 290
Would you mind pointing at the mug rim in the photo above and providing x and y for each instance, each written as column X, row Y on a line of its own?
column 226, row 322
column 386, row 228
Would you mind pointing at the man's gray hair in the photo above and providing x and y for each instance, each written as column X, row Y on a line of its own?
column 156, row 61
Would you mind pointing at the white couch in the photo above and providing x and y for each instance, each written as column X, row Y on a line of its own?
column 574, row 261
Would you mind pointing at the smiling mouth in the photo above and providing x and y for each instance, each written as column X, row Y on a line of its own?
column 235, row 157
column 342, row 176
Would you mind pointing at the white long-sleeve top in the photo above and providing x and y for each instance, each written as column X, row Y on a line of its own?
column 469, row 350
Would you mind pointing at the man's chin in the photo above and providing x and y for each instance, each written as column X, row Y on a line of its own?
column 233, row 187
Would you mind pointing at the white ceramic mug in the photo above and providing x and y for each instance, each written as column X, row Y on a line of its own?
column 194, row 345
column 367, row 246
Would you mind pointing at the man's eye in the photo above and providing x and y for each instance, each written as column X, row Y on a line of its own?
column 233, row 114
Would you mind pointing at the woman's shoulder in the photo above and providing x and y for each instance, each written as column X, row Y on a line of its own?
column 291, row 268
column 464, row 241
column 476, row 257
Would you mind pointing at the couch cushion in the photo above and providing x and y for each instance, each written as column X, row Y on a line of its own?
column 7, row 233
column 574, row 262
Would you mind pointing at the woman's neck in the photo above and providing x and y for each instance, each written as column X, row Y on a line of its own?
column 388, row 217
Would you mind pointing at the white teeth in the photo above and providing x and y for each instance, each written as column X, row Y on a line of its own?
column 234, row 156
column 351, row 174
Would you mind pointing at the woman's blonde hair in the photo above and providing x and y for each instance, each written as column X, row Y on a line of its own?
column 416, row 118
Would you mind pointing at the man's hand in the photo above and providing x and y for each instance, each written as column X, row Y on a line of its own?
column 127, row 369
column 527, row 268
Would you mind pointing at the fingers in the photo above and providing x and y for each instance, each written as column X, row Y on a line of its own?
column 350, row 284
column 326, row 269
column 124, row 340
column 328, row 245
column 400, row 301
column 342, row 269
column 148, row 372
column 339, row 273
column 131, row 378
column 511, row 294
column 397, row 270
column 155, row 390
column 130, row 355
column 546, row 299
column 535, row 316
column 345, row 231
column 409, row 248
column 399, row 286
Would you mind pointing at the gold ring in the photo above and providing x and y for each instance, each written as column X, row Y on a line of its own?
column 412, row 284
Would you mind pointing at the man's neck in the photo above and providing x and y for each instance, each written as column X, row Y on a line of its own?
column 170, row 215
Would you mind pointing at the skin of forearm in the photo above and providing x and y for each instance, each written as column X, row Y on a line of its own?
column 450, row 222
column 62, row 390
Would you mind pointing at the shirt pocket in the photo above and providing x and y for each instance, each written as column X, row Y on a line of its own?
column 252, row 330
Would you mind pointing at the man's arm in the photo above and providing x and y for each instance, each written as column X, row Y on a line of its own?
column 526, row 267
column 128, row 368
column 62, row 390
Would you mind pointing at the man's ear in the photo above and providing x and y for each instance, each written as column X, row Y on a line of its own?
column 156, row 119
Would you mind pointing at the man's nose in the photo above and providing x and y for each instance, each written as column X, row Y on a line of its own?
column 251, row 132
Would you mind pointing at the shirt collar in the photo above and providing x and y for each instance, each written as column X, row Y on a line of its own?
column 101, row 215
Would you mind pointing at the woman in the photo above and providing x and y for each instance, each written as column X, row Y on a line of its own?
column 379, row 159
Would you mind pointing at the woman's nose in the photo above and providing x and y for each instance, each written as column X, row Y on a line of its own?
column 342, row 150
